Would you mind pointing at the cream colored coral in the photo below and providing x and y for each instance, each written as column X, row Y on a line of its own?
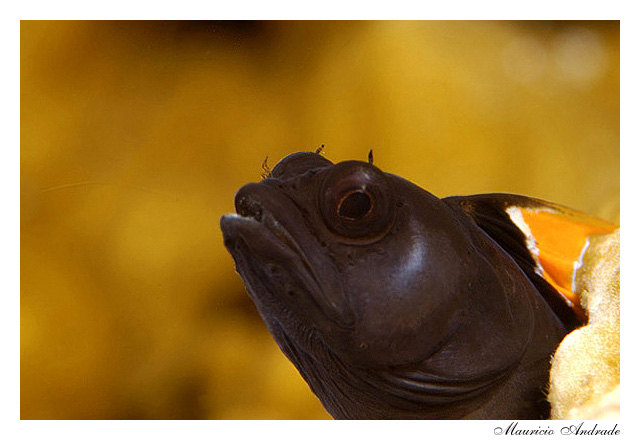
column 585, row 372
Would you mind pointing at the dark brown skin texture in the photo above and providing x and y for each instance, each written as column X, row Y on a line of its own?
column 391, row 302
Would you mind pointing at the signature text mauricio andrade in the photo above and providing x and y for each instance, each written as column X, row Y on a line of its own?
column 580, row 429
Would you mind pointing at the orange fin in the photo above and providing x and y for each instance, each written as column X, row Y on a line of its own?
column 546, row 240
column 561, row 237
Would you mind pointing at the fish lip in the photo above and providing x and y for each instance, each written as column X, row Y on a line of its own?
column 257, row 227
column 237, row 226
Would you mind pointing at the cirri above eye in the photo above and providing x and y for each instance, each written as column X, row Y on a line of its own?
column 356, row 201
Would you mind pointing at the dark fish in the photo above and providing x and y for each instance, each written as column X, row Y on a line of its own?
column 393, row 303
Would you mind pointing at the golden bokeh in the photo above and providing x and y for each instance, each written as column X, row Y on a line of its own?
column 136, row 135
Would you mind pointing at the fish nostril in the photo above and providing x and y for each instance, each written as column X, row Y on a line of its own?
column 249, row 208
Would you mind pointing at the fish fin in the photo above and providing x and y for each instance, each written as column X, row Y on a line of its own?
column 546, row 240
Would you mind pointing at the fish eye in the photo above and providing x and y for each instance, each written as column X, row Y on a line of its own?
column 355, row 205
column 356, row 201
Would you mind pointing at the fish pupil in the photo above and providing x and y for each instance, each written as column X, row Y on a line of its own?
column 355, row 205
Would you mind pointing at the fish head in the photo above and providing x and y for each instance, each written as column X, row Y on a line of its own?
column 347, row 258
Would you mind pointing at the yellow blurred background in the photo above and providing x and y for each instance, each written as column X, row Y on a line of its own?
column 136, row 135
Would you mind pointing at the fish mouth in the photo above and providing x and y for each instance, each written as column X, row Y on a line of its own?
column 273, row 263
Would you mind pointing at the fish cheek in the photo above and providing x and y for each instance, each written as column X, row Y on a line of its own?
column 409, row 300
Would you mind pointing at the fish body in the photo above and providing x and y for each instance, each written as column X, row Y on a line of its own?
column 395, row 304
